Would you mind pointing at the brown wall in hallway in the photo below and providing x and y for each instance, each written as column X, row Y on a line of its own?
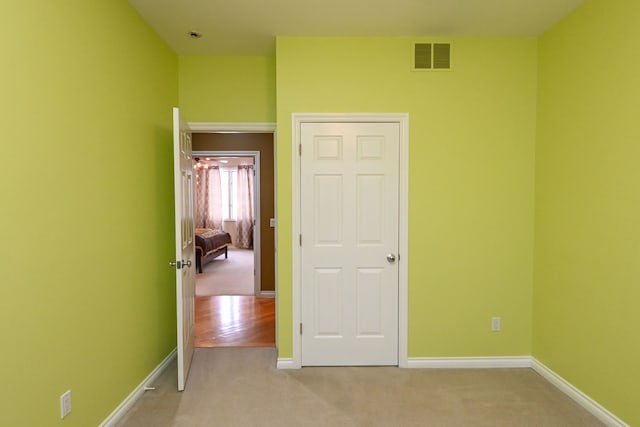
column 262, row 142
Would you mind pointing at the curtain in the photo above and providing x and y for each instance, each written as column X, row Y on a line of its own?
column 208, row 201
column 244, row 220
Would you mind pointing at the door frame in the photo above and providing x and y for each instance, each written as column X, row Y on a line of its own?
column 403, row 222
column 257, row 248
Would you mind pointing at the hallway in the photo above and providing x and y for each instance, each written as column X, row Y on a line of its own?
column 235, row 321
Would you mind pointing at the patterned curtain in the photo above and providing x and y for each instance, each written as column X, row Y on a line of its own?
column 244, row 220
column 208, row 197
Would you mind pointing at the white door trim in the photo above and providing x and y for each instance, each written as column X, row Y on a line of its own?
column 403, row 221
column 257, row 241
column 232, row 127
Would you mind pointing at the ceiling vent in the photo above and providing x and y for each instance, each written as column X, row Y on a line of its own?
column 432, row 56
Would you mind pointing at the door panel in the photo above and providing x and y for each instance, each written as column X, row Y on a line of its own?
column 328, row 282
column 185, row 249
column 369, row 301
column 370, row 206
column 328, row 205
column 349, row 223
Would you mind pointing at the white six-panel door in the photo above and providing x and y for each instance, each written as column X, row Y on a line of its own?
column 349, row 243
column 185, row 248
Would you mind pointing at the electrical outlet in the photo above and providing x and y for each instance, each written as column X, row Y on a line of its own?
column 65, row 404
column 496, row 324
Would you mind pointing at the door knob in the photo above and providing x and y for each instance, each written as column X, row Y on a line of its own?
column 391, row 258
column 180, row 264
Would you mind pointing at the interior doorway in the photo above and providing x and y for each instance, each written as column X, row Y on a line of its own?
column 232, row 317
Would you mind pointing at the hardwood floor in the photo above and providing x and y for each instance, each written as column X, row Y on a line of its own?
column 235, row 321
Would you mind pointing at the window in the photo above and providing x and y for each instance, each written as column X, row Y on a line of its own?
column 228, row 179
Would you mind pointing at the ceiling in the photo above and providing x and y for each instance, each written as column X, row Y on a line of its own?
column 249, row 27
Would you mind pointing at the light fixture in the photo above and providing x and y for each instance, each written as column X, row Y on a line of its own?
column 209, row 162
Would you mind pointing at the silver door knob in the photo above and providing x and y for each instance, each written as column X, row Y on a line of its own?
column 391, row 258
column 180, row 264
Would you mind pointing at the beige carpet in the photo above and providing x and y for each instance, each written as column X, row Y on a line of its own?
column 231, row 276
column 241, row 387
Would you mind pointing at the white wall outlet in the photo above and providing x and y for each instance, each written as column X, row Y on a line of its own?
column 496, row 324
column 272, row 222
column 65, row 404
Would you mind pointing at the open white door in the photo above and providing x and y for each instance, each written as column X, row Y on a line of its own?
column 185, row 249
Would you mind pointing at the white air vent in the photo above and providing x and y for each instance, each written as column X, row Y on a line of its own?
column 431, row 56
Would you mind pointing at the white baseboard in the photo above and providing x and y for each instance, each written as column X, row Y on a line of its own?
column 582, row 399
column 137, row 393
column 563, row 385
column 266, row 294
column 445, row 362
column 286, row 363
column 469, row 362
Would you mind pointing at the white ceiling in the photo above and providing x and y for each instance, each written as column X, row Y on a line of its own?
column 249, row 27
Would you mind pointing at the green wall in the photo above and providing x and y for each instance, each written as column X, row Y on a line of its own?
column 228, row 88
column 471, row 173
column 87, row 301
column 587, row 268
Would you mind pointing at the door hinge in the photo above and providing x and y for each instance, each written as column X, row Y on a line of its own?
column 300, row 149
column 300, row 239
column 300, row 328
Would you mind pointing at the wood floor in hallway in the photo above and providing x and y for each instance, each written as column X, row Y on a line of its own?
column 235, row 321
